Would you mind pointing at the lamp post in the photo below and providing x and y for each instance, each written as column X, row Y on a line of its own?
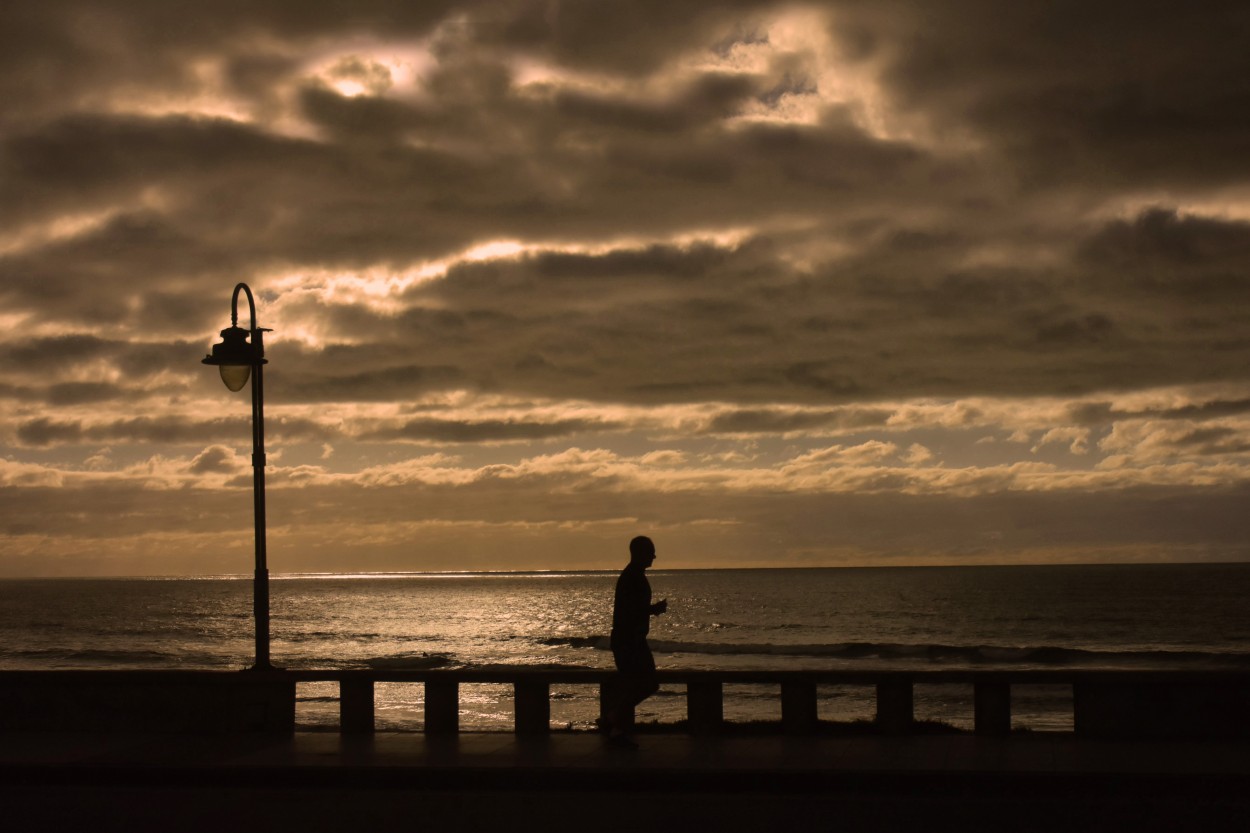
column 237, row 359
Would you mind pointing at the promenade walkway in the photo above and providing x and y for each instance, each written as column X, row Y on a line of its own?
column 572, row 781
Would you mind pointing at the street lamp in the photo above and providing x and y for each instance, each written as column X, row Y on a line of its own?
column 237, row 359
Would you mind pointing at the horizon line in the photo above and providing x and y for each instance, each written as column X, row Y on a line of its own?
column 381, row 574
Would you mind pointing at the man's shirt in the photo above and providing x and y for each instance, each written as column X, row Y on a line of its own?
column 631, row 612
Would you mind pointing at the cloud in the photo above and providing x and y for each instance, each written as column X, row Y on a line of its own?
column 767, row 421
column 379, row 383
column 917, row 454
column 1118, row 98
column 711, row 98
column 451, row 431
column 44, row 431
column 1077, row 439
column 1148, row 441
column 28, row 475
column 632, row 39
column 216, row 459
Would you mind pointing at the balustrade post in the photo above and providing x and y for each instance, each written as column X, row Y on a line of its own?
column 992, row 706
column 356, row 706
column 442, row 707
column 532, row 707
column 895, row 711
column 798, row 707
column 705, row 708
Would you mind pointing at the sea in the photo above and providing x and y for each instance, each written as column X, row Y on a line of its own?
column 1157, row 616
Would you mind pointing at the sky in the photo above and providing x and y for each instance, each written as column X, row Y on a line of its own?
column 815, row 284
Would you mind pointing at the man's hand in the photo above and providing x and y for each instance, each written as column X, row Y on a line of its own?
column 659, row 607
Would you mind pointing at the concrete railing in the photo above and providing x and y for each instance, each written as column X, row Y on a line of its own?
column 1105, row 703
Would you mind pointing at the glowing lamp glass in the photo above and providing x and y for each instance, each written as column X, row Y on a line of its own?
column 235, row 375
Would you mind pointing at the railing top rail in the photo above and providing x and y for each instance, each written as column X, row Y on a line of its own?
column 590, row 676
column 764, row 676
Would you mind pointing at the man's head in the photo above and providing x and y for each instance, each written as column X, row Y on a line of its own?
column 641, row 551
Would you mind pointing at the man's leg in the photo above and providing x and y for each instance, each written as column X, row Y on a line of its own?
column 638, row 682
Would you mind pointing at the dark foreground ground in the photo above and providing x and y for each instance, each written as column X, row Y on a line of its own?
column 573, row 782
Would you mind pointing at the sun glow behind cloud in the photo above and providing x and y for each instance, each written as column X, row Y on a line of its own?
column 364, row 67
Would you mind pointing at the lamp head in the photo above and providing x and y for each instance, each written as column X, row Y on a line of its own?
column 234, row 357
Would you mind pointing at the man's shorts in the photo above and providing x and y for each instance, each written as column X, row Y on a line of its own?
column 634, row 659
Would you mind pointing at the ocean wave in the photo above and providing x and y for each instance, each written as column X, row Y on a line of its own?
column 599, row 641
column 930, row 652
column 315, row 636
column 408, row 662
column 118, row 658
column 526, row 666
column 963, row 654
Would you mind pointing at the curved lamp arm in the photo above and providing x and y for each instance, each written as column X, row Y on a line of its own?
column 234, row 306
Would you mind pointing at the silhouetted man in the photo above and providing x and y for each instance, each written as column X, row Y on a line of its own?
column 631, row 620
